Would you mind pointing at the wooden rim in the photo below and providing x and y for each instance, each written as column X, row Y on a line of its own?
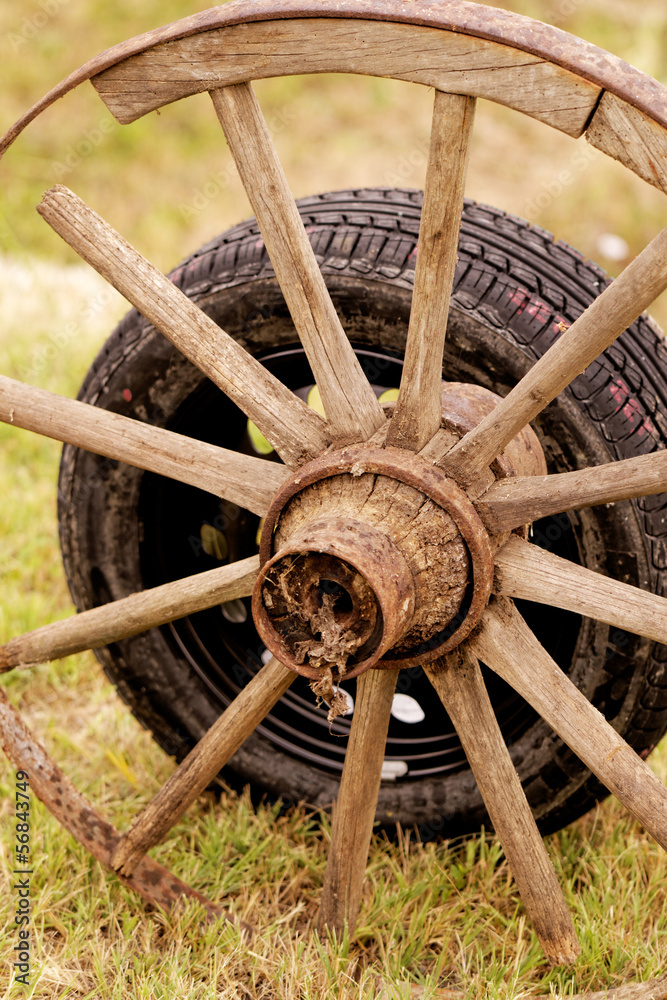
column 611, row 74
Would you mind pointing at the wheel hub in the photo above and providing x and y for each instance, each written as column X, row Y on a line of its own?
column 373, row 556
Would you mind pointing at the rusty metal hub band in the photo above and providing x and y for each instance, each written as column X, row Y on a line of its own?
column 316, row 595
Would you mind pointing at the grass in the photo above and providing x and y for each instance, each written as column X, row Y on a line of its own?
column 433, row 914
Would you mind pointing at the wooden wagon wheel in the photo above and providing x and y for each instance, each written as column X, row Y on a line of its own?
column 349, row 581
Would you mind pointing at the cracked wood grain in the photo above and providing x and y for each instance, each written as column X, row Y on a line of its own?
column 631, row 137
column 418, row 411
column 242, row 479
column 511, row 502
column 450, row 61
column 529, row 572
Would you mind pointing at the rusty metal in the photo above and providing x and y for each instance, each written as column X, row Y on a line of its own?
column 545, row 41
column 374, row 578
column 408, row 468
column 464, row 405
column 73, row 811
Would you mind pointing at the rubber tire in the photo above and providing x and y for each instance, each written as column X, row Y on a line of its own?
column 514, row 284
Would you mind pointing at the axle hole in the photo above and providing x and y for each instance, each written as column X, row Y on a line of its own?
column 342, row 602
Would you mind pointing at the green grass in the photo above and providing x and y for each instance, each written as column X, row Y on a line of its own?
column 436, row 915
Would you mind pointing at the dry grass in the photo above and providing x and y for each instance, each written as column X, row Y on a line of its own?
column 433, row 914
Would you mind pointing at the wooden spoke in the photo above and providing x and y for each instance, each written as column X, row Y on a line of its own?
column 418, row 409
column 527, row 571
column 75, row 813
column 354, row 811
column 505, row 643
column 440, row 444
column 131, row 615
column 202, row 764
column 512, row 502
column 458, row 680
column 242, row 479
column 350, row 404
column 604, row 320
column 296, row 432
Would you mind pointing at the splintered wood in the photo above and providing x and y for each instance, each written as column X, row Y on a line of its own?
column 334, row 599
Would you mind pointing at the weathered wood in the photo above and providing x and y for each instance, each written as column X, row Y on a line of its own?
column 371, row 573
column 466, row 20
column 418, row 408
column 632, row 137
column 131, row 615
column 527, row 571
column 202, row 764
column 296, row 432
column 353, row 412
column 505, row 643
column 597, row 328
column 242, row 479
column 509, row 503
column 432, row 534
column 463, row 406
column 449, row 61
column 653, row 989
column 354, row 810
column 458, row 680
column 75, row 813
column 425, row 538
column 440, row 444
